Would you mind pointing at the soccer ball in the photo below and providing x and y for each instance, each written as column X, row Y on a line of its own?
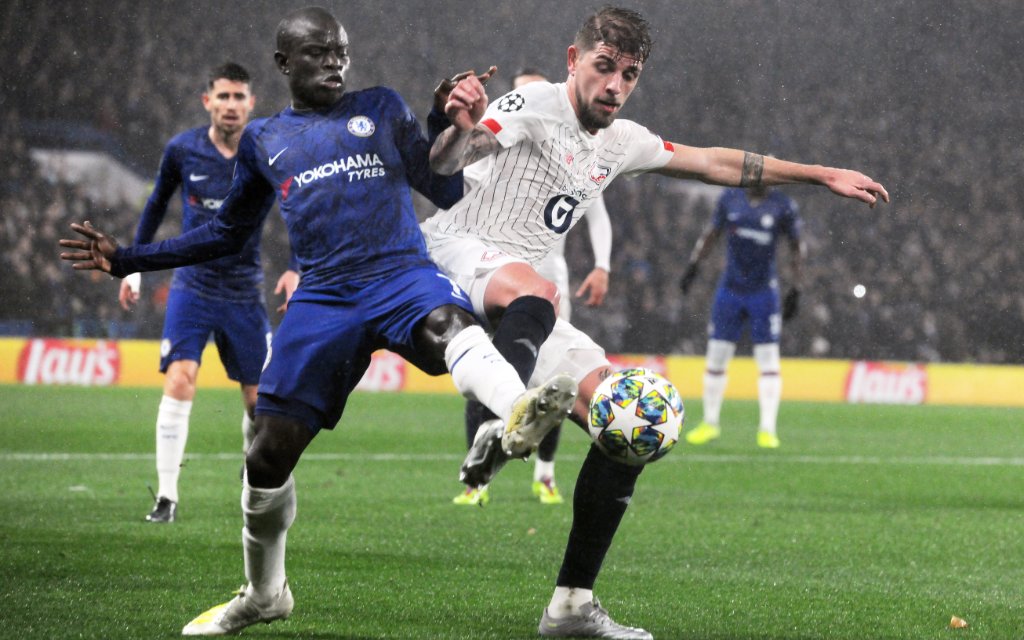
column 636, row 416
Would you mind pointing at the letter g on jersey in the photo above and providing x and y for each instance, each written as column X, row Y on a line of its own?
column 558, row 213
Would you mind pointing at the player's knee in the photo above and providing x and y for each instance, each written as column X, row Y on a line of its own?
column 180, row 383
column 440, row 326
column 544, row 289
column 275, row 451
column 767, row 358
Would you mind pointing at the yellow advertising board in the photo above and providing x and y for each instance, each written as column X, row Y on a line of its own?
column 135, row 363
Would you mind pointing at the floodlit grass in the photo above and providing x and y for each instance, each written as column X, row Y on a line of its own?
column 869, row 522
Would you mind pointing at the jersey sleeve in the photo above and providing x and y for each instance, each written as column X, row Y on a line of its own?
column 168, row 179
column 443, row 191
column 241, row 214
column 645, row 150
column 522, row 114
column 599, row 226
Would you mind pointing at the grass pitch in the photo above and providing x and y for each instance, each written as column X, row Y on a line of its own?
column 869, row 522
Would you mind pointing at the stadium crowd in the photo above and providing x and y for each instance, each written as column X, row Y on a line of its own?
column 940, row 265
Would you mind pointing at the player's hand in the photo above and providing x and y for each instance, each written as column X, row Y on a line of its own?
column 444, row 88
column 854, row 184
column 596, row 284
column 128, row 295
column 93, row 253
column 287, row 284
column 791, row 304
column 467, row 101
column 687, row 280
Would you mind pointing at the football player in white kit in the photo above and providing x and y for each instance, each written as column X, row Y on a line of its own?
column 550, row 150
column 593, row 290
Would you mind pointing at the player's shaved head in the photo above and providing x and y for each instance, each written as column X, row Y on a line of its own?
column 312, row 51
column 299, row 22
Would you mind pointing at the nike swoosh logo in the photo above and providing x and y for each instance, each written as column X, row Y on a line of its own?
column 529, row 345
column 194, row 178
column 276, row 156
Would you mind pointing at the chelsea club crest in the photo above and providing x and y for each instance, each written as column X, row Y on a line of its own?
column 361, row 126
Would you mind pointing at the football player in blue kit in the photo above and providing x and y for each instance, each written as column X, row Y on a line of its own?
column 222, row 297
column 340, row 165
column 748, row 292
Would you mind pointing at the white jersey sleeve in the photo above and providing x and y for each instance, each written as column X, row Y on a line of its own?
column 645, row 151
column 526, row 113
column 599, row 226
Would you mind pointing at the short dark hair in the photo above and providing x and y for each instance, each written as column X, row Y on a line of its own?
column 624, row 29
column 228, row 71
column 528, row 71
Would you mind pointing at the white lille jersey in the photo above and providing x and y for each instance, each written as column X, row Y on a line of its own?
column 549, row 170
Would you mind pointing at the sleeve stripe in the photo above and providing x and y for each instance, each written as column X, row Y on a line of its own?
column 492, row 124
column 668, row 145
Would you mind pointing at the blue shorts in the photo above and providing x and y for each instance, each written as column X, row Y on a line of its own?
column 323, row 346
column 240, row 330
column 731, row 310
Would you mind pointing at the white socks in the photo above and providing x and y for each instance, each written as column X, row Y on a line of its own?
column 567, row 601
column 543, row 469
column 481, row 373
column 171, row 435
column 720, row 353
column 267, row 513
column 769, row 385
column 248, row 432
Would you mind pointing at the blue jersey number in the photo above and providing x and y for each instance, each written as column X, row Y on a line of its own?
column 558, row 213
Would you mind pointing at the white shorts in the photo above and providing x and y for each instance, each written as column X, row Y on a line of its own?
column 555, row 269
column 471, row 263
column 567, row 350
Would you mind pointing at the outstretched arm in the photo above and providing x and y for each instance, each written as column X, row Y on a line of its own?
column 241, row 215
column 465, row 141
column 732, row 167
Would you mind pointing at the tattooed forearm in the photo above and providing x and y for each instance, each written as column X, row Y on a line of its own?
column 453, row 150
column 753, row 167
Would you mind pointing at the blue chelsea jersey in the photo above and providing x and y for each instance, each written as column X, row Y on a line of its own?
column 193, row 163
column 752, row 232
column 342, row 179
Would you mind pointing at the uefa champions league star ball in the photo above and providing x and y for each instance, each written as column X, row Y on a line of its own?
column 636, row 416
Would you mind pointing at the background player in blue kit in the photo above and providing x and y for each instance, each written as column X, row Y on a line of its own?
column 340, row 165
column 748, row 292
column 222, row 297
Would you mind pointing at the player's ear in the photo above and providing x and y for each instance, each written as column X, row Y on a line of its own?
column 206, row 100
column 281, row 60
column 572, row 56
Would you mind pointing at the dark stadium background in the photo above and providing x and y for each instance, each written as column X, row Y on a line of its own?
column 925, row 96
